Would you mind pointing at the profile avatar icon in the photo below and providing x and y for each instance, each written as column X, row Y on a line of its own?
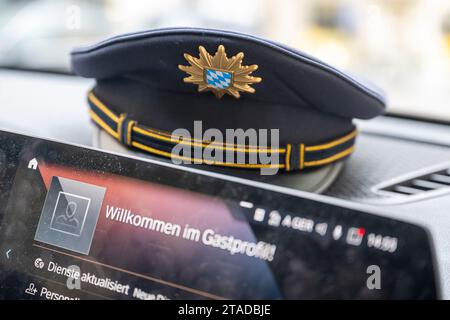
column 69, row 213
column 68, row 218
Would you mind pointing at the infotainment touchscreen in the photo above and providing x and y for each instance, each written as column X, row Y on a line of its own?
column 83, row 224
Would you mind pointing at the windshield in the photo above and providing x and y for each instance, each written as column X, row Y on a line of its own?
column 403, row 46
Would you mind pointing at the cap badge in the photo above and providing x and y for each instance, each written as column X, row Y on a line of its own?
column 220, row 74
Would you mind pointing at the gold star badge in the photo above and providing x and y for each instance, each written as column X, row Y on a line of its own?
column 219, row 74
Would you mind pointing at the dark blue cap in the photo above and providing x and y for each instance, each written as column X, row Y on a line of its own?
column 161, row 80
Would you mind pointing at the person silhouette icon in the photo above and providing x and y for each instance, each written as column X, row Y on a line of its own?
column 31, row 289
column 68, row 219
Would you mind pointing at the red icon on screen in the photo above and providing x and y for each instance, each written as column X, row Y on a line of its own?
column 355, row 236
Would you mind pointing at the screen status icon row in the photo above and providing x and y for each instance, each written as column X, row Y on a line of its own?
column 351, row 235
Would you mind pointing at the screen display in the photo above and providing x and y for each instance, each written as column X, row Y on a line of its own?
column 82, row 224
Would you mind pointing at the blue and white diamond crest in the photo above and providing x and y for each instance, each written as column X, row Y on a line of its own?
column 219, row 74
column 218, row 79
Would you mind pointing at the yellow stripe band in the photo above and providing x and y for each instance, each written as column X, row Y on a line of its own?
column 288, row 157
column 330, row 159
column 302, row 155
column 122, row 117
column 133, row 127
column 102, row 124
column 204, row 145
column 129, row 127
column 192, row 160
column 102, row 107
column 334, row 143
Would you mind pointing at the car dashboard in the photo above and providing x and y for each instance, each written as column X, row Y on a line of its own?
column 400, row 169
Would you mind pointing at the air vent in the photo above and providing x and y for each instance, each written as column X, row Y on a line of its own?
column 421, row 184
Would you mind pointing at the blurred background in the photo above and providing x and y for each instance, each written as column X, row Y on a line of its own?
column 403, row 46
